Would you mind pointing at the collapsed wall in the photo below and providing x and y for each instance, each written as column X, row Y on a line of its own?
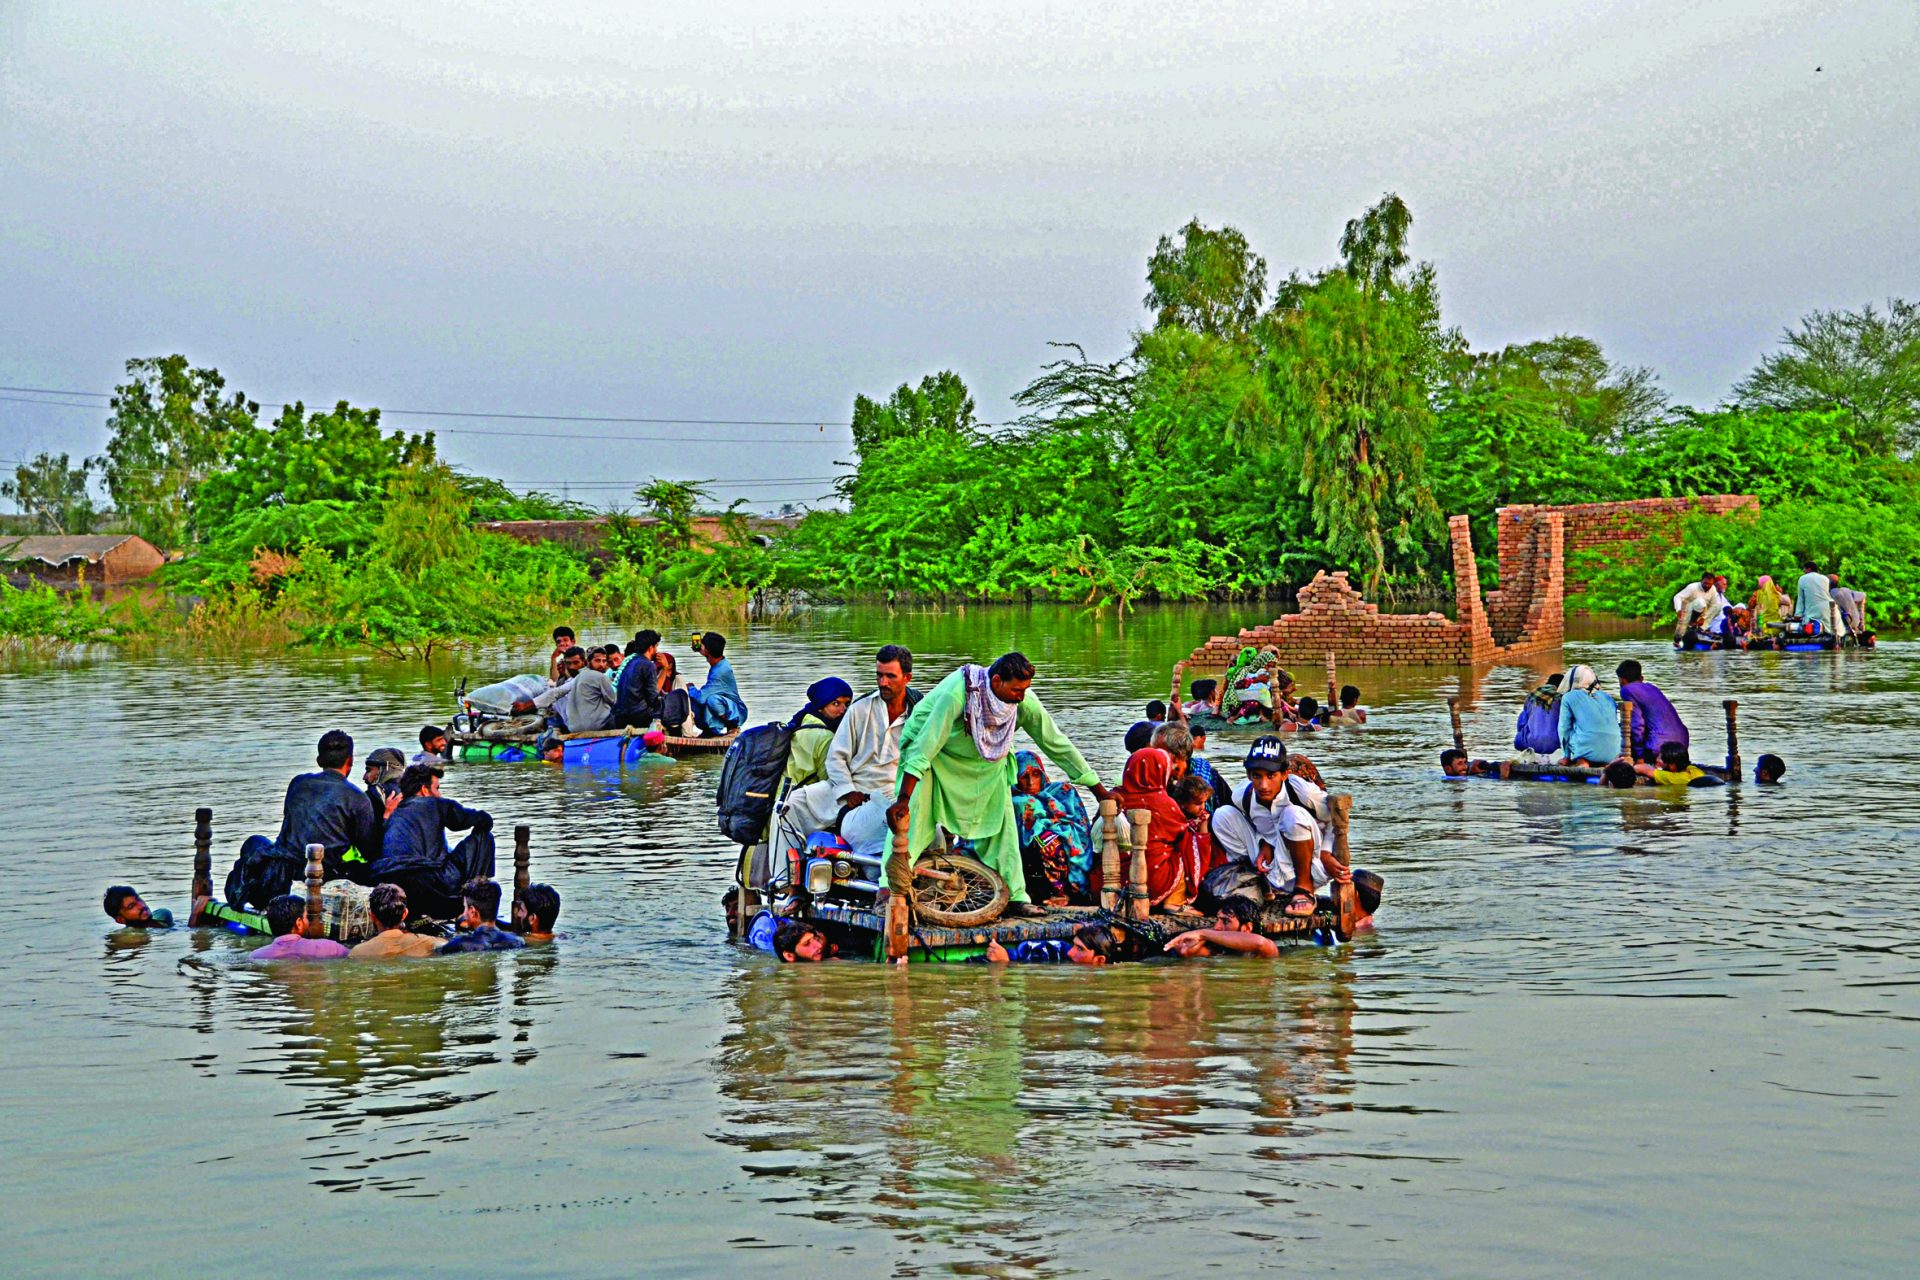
column 1526, row 615
column 1596, row 524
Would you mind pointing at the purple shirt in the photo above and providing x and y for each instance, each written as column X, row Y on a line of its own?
column 1655, row 722
column 291, row 946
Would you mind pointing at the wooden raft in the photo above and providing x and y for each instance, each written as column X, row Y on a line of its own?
column 1059, row 924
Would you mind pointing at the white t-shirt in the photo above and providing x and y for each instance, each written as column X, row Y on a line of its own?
column 1696, row 599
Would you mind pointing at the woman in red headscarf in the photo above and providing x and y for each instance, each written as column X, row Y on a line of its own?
column 1177, row 847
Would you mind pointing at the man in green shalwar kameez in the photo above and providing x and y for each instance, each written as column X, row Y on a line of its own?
column 957, row 769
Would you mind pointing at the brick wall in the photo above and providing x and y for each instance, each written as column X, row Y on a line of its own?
column 1527, row 615
column 1594, row 524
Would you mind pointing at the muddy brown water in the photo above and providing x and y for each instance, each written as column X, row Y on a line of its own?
column 1593, row 1034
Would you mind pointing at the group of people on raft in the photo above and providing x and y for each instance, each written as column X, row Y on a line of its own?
column 1821, row 606
column 1572, row 720
column 1258, row 690
column 946, row 761
column 388, row 836
column 637, row 686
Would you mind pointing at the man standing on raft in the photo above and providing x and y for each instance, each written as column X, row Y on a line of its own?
column 959, row 743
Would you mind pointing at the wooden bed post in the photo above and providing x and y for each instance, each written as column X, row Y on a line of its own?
column 1459, row 734
column 202, row 856
column 1137, row 904
column 1346, row 899
column 1109, row 854
column 1626, row 728
column 1333, row 687
column 521, row 857
column 899, row 900
column 316, row 875
column 1733, row 739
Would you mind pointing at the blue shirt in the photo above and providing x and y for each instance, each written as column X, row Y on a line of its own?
column 485, row 938
column 760, row 932
column 717, row 703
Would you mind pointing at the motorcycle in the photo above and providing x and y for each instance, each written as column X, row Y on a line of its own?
column 951, row 890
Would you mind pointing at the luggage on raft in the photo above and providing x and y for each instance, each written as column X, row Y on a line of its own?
column 498, row 699
column 750, row 779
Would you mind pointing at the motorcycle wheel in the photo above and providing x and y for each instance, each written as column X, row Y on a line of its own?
column 972, row 894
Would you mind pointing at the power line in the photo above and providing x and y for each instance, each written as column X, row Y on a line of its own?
column 502, row 416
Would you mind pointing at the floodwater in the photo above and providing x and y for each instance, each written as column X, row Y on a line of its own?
column 1593, row 1034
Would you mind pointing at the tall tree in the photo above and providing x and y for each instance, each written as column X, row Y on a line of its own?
column 1373, row 248
column 302, row 457
column 53, row 492
column 940, row 404
column 1355, row 356
column 1866, row 362
column 1602, row 400
column 1348, row 376
column 169, row 428
column 1206, row 280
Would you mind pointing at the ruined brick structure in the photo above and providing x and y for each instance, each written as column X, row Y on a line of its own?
column 1525, row 616
column 1594, row 524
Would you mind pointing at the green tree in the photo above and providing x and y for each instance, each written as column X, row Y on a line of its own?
column 941, row 404
column 673, row 503
column 168, row 428
column 1865, row 362
column 1592, row 395
column 1206, row 280
column 1373, row 248
column 1354, row 357
column 337, row 456
column 1499, row 439
column 53, row 492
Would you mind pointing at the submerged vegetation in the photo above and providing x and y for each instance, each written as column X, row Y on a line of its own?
column 1249, row 437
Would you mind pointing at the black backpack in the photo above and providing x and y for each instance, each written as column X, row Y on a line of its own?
column 750, row 780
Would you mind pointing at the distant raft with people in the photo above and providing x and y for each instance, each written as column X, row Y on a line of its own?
column 1457, row 762
column 486, row 729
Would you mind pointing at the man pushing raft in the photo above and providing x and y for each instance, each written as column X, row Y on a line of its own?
column 957, row 769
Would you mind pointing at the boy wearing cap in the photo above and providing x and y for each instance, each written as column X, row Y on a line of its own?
column 1282, row 824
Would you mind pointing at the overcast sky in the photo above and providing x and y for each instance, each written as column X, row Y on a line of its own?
column 755, row 210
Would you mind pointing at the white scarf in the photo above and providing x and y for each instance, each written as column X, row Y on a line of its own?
column 989, row 720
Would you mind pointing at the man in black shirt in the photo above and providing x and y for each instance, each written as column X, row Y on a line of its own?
column 414, row 854
column 321, row 808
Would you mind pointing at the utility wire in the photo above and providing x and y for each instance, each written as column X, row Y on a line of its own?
column 506, row 416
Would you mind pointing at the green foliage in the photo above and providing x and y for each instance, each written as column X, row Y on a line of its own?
column 38, row 613
column 53, row 493
column 338, row 456
column 939, row 406
column 1775, row 455
column 1589, row 393
column 169, row 429
column 1874, row 548
column 1499, row 439
column 1865, row 363
column 491, row 500
column 1207, row 281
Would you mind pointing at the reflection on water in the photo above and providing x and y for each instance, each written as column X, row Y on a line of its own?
column 968, row 1100
column 371, row 1053
column 1592, row 1031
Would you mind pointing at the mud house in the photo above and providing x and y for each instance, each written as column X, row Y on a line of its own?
column 102, row 559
